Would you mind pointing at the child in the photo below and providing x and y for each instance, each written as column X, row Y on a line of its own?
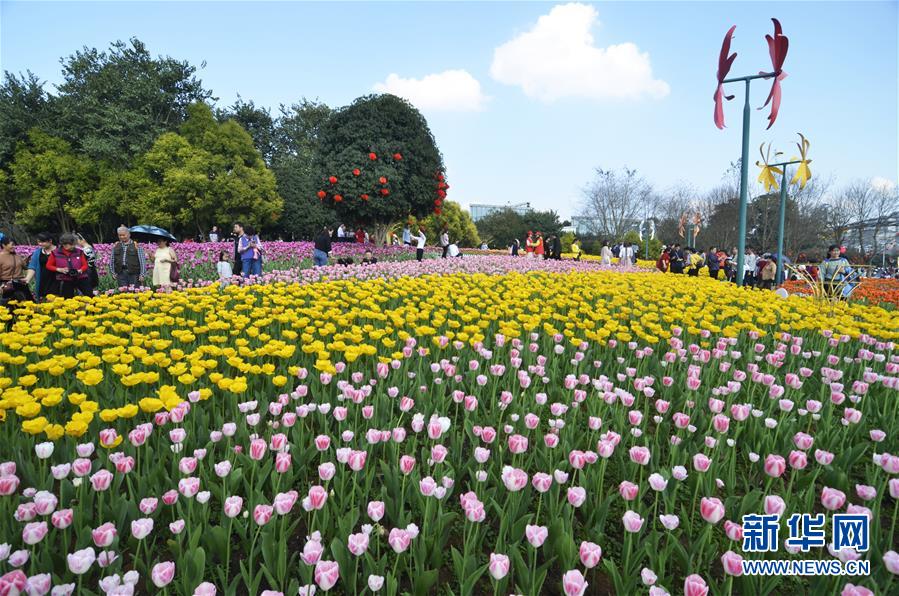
column 224, row 268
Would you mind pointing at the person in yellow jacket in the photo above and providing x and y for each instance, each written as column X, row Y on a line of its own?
column 694, row 262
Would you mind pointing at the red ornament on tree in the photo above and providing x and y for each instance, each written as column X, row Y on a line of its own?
column 397, row 157
column 338, row 198
column 384, row 192
column 321, row 194
column 372, row 156
column 437, row 211
column 356, row 171
column 441, row 193
column 438, row 202
column 382, row 180
column 333, row 179
column 364, row 197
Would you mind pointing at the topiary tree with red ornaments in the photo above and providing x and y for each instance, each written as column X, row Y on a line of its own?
column 378, row 163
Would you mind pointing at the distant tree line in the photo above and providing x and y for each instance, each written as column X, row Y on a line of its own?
column 131, row 138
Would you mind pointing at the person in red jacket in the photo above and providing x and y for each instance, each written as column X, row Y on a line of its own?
column 70, row 265
column 539, row 250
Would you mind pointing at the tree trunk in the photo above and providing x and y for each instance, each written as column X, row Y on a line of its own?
column 379, row 233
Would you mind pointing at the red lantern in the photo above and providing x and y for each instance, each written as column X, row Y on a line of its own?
column 356, row 171
column 338, row 198
column 437, row 211
column 441, row 193
column 321, row 194
column 382, row 180
column 442, row 185
column 333, row 179
column 397, row 157
column 438, row 202
column 384, row 192
column 439, row 176
column 364, row 197
column 372, row 156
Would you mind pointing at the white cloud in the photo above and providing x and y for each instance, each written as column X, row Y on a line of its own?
column 558, row 58
column 882, row 184
column 450, row 90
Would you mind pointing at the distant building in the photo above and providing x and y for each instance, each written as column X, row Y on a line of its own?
column 480, row 211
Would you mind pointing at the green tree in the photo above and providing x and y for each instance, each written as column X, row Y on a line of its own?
column 114, row 105
column 461, row 229
column 210, row 173
column 24, row 105
column 255, row 120
column 50, row 180
column 296, row 140
column 502, row 226
column 378, row 163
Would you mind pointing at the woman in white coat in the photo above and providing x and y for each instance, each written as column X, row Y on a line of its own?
column 606, row 254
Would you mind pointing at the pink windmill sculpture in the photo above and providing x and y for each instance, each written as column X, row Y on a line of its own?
column 778, row 44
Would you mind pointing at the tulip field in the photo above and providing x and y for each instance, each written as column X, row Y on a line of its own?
column 485, row 425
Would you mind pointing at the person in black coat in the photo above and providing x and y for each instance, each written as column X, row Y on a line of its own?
column 677, row 259
column 557, row 248
column 237, row 232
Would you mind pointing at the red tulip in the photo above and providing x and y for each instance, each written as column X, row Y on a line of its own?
column 356, row 171
column 333, row 179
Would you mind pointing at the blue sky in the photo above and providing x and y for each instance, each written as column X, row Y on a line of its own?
column 521, row 111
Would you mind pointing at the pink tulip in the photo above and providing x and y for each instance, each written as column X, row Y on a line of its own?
column 774, row 505
column 632, row 521
column 81, row 467
column 775, row 465
column 177, row 526
column 407, row 464
column 541, row 482
column 732, row 563
column 80, row 561
column 13, row 583
column 312, row 552
column 205, row 589
column 233, row 506
column 356, row 460
column 262, row 514
column 536, row 535
column 282, row 462
column 518, row 444
column 694, row 585
column 326, row 574
column 712, row 509
column 141, row 528
column 399, row 540
column 576, row 496
column 574, row 583
column 104, row 535
column 45, row 502
column 701, row 463
column 284, row 502
column 34, row 532
column 62, row 519
column 163, row 574
column 170, row 497
column 590, row 554
column 375, row 510
column 733, row 531
column 36, row 585
column 257, row 449
column 316, row 498
column 514, row 479
column 853, row 590
column 832, row 498
column 628, row 490
column 891, row 562
column 498, row 566
column 357, row 544
column 866, row 493
column 670, row 522
column 101, row 480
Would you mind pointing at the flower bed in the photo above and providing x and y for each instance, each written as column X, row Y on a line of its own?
column 487, row 429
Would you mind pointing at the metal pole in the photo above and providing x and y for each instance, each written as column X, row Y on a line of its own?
column 744, row 189
column 780, row 227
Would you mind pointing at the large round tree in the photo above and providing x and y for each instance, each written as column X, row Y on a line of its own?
column 377, row 163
